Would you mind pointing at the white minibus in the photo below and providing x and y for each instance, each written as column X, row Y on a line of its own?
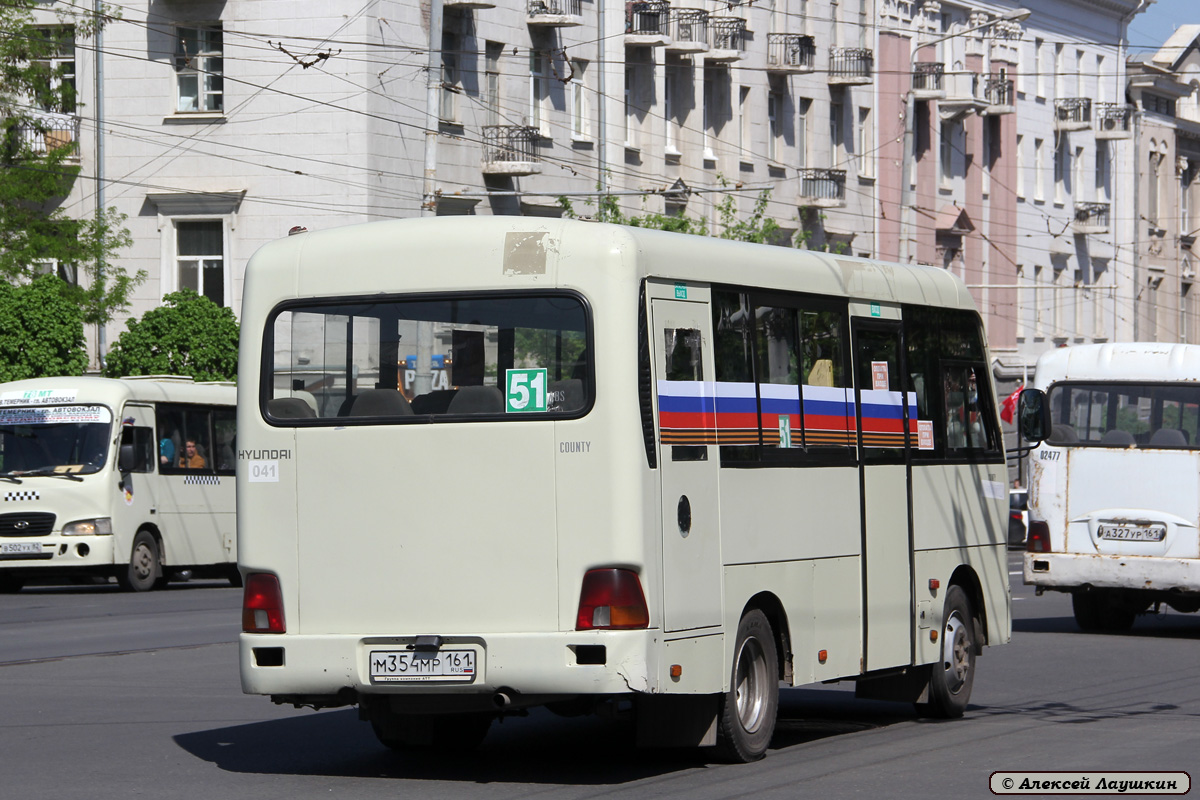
column 1114, row 502
column 129, row 478
column 494, row 463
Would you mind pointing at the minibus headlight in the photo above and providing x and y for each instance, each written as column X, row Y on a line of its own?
column 88, row 527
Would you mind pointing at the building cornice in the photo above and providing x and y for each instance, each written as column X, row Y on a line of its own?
column 1118, row 8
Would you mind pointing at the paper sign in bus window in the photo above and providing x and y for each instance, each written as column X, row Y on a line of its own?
column 879, row 375
column 924, row 434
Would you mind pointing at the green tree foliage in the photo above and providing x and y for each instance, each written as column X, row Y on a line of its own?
column 41, row 331
column 187, row 335
column 38, row 168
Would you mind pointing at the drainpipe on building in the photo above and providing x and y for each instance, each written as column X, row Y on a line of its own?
column 101, row 343
column 1137, row 116
column 433, row 86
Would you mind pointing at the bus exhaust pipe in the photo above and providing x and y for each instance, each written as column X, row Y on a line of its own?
column 502, row 699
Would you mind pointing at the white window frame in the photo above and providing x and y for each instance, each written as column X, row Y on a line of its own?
column 491, row 84
column 866, row 143
column 204, row 63
column 539, row 91
column 59, row 60
column 775, row 106
column 745, row 137
column 1039, row 60
column 176, row 259
column 581, row 128
column 1020, row 166
column 451, row 82
column 803, row 108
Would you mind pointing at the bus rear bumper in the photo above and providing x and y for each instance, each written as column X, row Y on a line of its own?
column 1066, row 571
column 537, row 665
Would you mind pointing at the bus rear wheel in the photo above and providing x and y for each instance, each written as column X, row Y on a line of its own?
column 144, row 569
column 10, row 584
column 953, row 675
column 1106, row 610
column 746, row 721
column 449, row 732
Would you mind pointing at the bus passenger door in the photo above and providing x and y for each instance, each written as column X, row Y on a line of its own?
column 681, row 338
column 137, row 490
column 883, row 473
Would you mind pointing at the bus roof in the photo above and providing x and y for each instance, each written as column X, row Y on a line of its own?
column 114, row 391
column 523, row 252
column 1120, row 361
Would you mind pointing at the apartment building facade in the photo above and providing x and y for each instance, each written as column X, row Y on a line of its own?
column 217, row 126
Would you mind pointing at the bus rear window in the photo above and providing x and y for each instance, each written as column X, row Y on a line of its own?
column 1124, row 415
column 456, row 358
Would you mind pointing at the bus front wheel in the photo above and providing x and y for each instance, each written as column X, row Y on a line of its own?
column 954, row 673
column 747, row 714
column 144, row 568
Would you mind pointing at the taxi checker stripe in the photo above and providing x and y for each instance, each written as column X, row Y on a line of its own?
column 16, row 497
column 201, row 480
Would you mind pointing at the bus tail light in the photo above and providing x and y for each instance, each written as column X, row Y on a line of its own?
column 262, row 604
column 1038, row 540
column 611, row 599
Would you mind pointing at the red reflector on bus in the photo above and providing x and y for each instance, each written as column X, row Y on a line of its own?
column 611, row 599
column 1038, row 540
column 262, row 604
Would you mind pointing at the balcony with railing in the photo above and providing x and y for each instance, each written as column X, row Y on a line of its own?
column 823, row 188
column 1113, row 121
column 964, row 95
column 647, row 23
column 554, row 13
column 511, row 150
column 1072, row 113
column 687, row 30
column 1000, row 94
column 728, row 39
column 1090, row 218
column 51, row 132
column 850, row 66
column 928, row 81
column 790, row 53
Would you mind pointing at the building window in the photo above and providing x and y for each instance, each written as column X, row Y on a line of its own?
column 1152, row 195
column 491, row 81
column 946, row 152
column 539, row 91
column 866, row 144
column 1020, row 166
column 200, row 258
column 55, row 59
column 1077, row 175
column 1058, row 71
column 837, row 141
column 802, row 108
column 580, row 107
column 774, row 124
column 1039, row 170
column 1061, row 154
column 1102, row 171
column 199, row 67
column 1039, row 65
column 448, row 108
column 743, row 126
column 716, row 98
column 672, row 78
column 1101, row 85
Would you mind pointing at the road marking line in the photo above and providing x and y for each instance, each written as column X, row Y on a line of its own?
column 1018, row 572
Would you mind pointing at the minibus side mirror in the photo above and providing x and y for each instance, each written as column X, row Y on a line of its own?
column 1033, row 415
column 126, row 459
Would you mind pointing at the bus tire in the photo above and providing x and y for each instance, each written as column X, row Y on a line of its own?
column 746, row 721
column 11, row 584
column 953, row 674
column 1108, row 610
column 144, row 568
column 448, row 732
column 1086, row 609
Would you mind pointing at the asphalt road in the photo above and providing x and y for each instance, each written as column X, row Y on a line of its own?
column 104, row 694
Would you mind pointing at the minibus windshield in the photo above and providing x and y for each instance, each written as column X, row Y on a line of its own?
column 54, row 440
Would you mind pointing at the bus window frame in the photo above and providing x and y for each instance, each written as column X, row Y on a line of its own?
column 161, row 408
column 1110, row 386
column 266, row 391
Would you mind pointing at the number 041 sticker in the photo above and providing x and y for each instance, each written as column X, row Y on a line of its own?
column 525, row 390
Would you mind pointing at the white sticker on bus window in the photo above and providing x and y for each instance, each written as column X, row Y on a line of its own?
column 924, row 434
column 994, row 490
column 54, row 415
column 263, row 471
column 879, row 376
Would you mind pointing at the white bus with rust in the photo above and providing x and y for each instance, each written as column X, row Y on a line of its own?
column 98, row 479
column 494, row 463
column 1114, row 501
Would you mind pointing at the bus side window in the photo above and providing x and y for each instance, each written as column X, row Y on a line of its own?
column 684, row 364
column 142, row 439
column 225, row 430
